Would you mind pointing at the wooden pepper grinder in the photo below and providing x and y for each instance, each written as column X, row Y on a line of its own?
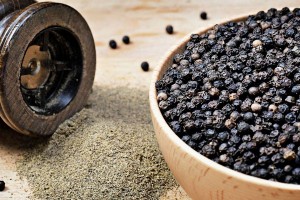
column 47, row 65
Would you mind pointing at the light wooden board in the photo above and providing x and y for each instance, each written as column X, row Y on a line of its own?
column 144, row 21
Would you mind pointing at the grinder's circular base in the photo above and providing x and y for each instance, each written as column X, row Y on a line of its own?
column 47, row 67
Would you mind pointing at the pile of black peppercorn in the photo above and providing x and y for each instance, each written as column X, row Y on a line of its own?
column 233, row 95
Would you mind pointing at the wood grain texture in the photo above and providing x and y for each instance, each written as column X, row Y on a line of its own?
column 144, row 21
column 10, row 152
column 200, row 177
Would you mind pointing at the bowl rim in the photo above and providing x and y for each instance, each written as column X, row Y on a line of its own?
column 156, row 113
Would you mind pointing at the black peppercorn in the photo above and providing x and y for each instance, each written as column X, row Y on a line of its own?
column 197, row 137
column 246, row 105
column 248, row 117
column 263, row 161
column 214, row 92
column 113, row 44
column 203, row 15
column 297, row 77
column 235, row 115
column 296, row 173
column 210, row 133
column 289, row 179
column 237, row 103
column 2, row 186
column 176, row 127
column 243, row 127
column 267, row 115
column 283, row 108
column 258, row 137
column 278, row 117
column 145, row 66
column 223, row 136
column 296, row 138
column 126, row 39
column 208, row 151
column 256, row 107
column 253, row 91
column 169, row 29
column 287, row 168
column 290, row 99
column 295, row 89
column 263, row 87
column 283, row 138
column 224, row 158
column 186, row 138
column 289, row 155
column 290, row 117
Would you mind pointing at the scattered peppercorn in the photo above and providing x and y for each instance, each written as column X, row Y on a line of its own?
column 203, row 15
column 2, row 186
column 126, row 39
column 169, row 29
column 145, row 66
column 233, row 95
column 113, row 44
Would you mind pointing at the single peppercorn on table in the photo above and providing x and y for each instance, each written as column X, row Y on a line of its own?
column 144, row 22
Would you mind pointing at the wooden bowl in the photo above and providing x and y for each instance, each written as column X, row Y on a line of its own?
column 199, row 176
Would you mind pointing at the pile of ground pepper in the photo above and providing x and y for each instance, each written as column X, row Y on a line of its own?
column 233, row 95
column 107, row 151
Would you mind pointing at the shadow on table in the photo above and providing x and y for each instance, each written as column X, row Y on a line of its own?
column 12, row 139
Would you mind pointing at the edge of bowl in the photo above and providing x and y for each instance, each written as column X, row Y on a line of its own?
column 157, row 74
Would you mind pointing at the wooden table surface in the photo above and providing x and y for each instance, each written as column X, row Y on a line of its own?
column 144, row 21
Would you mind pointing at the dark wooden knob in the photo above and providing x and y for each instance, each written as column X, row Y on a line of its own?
column 47, row 65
